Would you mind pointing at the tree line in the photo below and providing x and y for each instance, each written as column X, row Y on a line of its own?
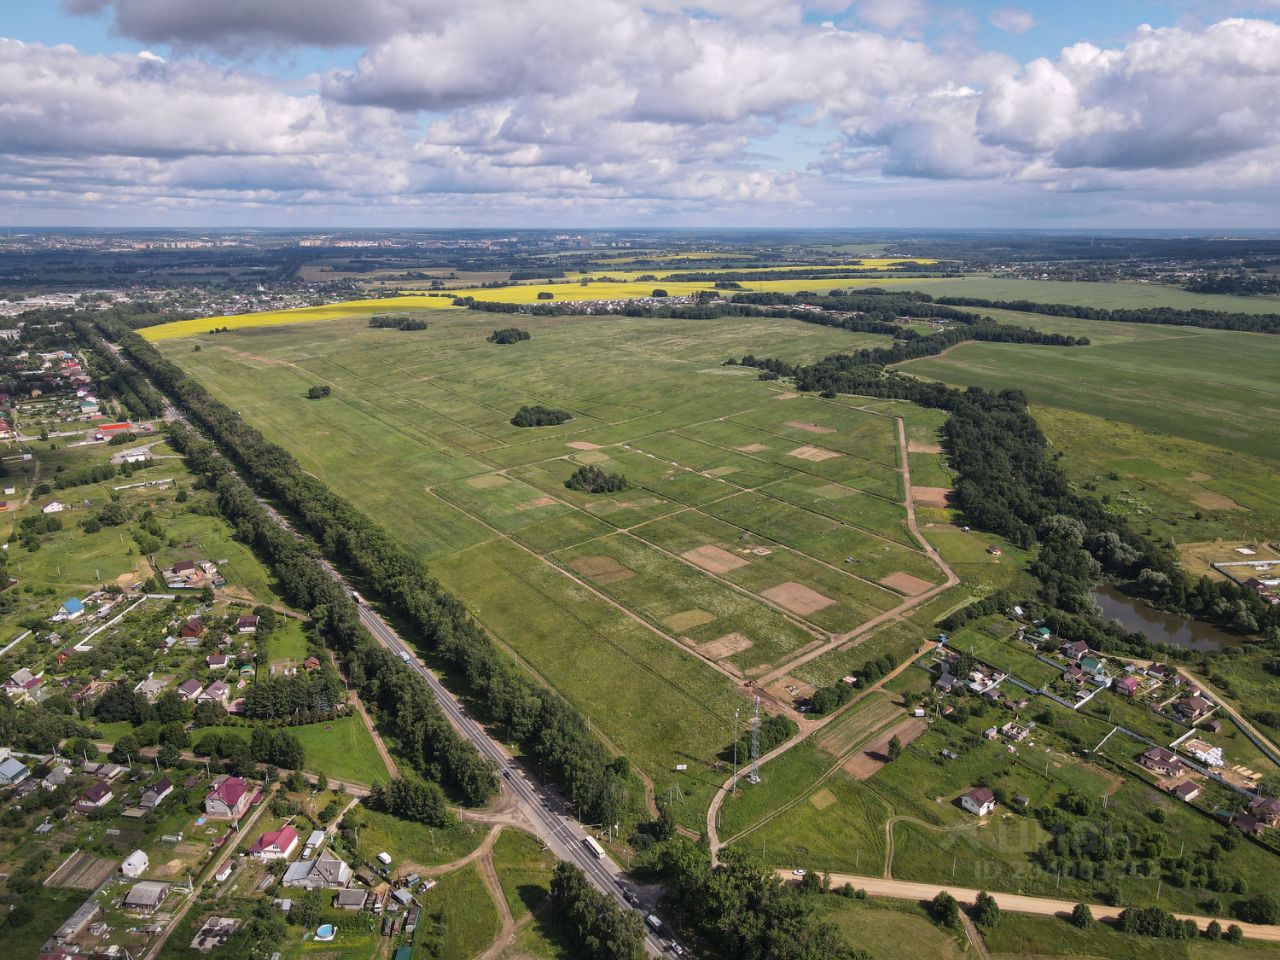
column 552, row 733
column 396, row 321
column 1212, row 319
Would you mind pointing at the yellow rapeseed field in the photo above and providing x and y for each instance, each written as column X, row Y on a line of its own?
column 563, row 290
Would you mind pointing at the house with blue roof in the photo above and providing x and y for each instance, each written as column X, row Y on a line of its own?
column 72, row 608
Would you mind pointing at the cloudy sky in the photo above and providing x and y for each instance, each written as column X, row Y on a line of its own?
column 1107, row 113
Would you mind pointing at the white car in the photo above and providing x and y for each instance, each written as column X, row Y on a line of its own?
column 800, row 872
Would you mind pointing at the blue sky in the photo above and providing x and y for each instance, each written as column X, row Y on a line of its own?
column 724, row 113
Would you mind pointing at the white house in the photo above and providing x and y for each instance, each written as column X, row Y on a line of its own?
column 135, row 865
column 979, row 801
column 275, row 844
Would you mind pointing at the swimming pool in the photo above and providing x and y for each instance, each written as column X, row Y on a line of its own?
column 326, row 931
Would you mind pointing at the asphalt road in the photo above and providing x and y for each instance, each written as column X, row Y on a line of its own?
column 562, row 835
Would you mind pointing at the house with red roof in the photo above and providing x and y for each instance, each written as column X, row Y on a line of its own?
column 193, row 628
column 275, row 844
column 229, row 799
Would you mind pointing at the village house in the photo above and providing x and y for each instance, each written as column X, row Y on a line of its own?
column 229, row 798
column 1193, row 708
column 326, row 871
column 12, row 771
column 97, row 796
column 190, row 689
column 1186, row 791
column 193, row 628
column 217, row 661
column 71, row 609
column 1164, row 673
column 56, row 777
column 216, row 692
column 979, row 801
column 1267, row 810
column 20, row 685
column 247, row 624
column 151, row 687
column 1074, row 650
column 1161, row 761
column 311, row 663
column 154, row 794
column 1017, row 731
column 1126, row 686
column 275, row 844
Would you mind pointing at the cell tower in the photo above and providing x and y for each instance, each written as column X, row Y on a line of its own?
column 735, row 752
column 754, row 775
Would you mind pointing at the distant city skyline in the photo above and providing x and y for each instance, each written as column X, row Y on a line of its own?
column 606, row 113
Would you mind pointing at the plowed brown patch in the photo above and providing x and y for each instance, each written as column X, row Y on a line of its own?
column 753, row 448
column 871, row 758
column 582, row 445
column 1215, row 501
column 533, row 504
column 722, row 647
column 786, row 396
column 906, row 583
column 797, row 598
column 810, row 427
column 812, row 453
column 934, row 496
column 601, row 569
column 487, row 481
column 916, row 446
column 714, row 559
column 822, row 799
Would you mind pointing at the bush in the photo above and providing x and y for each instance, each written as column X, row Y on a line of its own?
column 945, row 910
column 510, row 334
column 986, row 912
column 318, row 391
column 1082, row 916
column 1260, row 908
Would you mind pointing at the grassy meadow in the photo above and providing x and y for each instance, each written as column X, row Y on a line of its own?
column 757, row 522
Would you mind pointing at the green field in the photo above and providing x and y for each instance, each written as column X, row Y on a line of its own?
column 889, row 928
column 415, row 844
column 1210, row 386
column 459, row 918
column 416, row 433
column 343, row 749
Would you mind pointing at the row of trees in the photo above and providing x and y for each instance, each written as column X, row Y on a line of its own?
column 284, row 697
column 396, row 321
column 602, row 929
column 1213, row 319
column 552, row 733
